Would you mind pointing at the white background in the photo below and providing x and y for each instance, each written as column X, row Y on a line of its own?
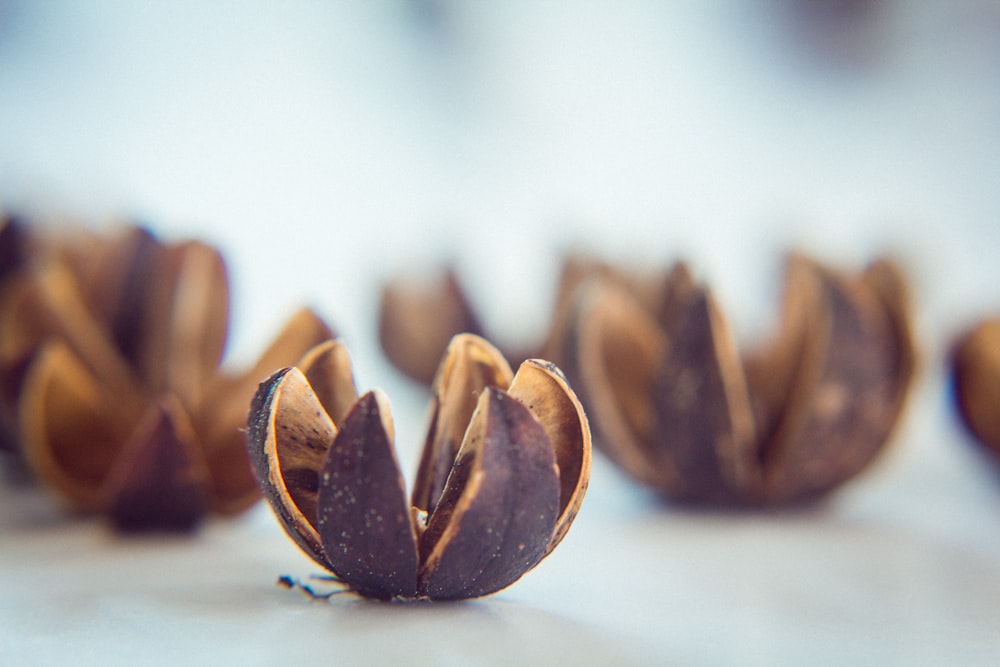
column 326, row 146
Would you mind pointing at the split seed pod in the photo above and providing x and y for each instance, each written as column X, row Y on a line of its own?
column 504, row 469
column 677, row 408
column 122, row 406
column 976, row 375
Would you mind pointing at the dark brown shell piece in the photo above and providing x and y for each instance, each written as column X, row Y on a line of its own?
column 364, row 521
column 469, row 365
column 13, row 244
column 498, row 511
column 158, row 482
column 705, row 424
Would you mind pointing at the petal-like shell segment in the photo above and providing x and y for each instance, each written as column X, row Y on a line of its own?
column 223, row 413
column 469, row 366
column 327, row 366
column 110, row 271
column 886, row 279
column 72, row 428
column 499, row 509
column 288, row 434
column 577, row 271
column 543, row 389
column 231, row 485
column 304, row 330
column 187, row 321
column 706, row 427
column 773, row 370
column 67, row 317
column 417, row 321
column 845, row 399
column 23, row 323
column 619, row 348
column 159, row 480
column 126, row 286
column 364, row 518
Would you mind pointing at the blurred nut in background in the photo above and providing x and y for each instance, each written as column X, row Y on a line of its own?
column 976, row 375
column 677, row 408
column 110, row 348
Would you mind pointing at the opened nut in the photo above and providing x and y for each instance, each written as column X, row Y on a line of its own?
column 675, row 405
column 504, row 469
column 121, row 404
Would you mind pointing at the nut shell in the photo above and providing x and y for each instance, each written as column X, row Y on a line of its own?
column 681, row 410
column 364, row 521
column 504, row 470
column 98, row 333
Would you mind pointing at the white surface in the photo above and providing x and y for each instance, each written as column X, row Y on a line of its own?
column 325, row 146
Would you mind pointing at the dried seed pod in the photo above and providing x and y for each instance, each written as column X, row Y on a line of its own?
column 121, row 403
column 678, row 409
column 505, row 467
column 975, row 365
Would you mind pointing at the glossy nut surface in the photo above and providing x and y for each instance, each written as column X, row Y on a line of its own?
column 504, row 469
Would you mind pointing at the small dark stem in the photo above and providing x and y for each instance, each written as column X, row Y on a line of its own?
column 290, row 583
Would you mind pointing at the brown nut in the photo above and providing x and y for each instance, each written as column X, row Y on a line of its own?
column 676, row 407
column 122, row 405
column 504, row 469
column 975, row 365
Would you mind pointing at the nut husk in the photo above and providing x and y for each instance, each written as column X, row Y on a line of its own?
column 678, row 408
column 503, row 473
column 112, row 347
